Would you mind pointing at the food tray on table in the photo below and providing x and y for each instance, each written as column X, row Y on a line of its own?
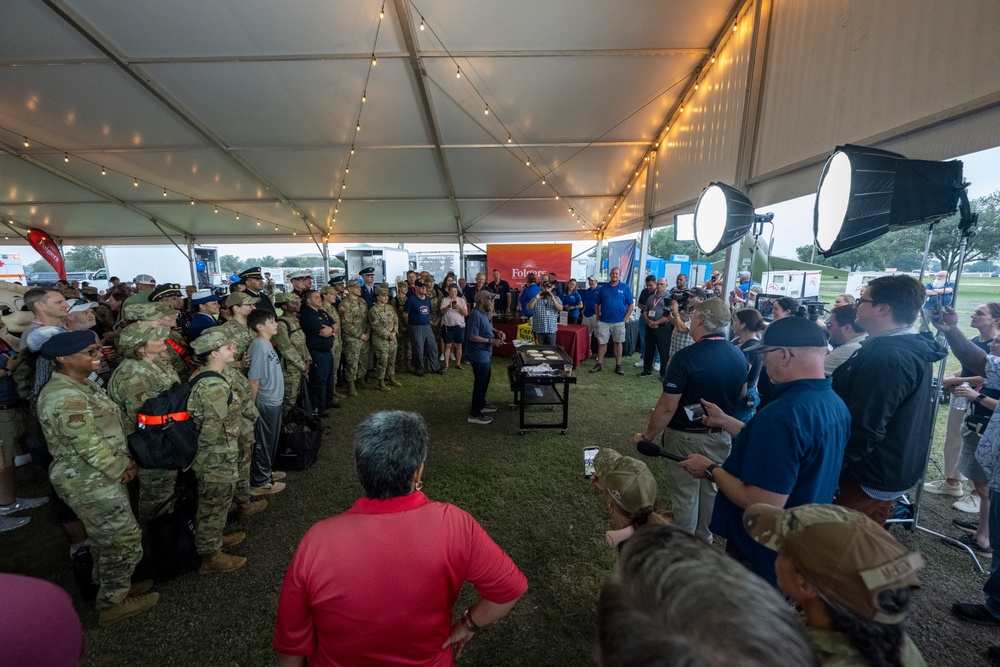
column 535, row 355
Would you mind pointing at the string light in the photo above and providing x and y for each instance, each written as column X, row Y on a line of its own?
column 713, row 60
column 352, row 150
column 458, row 73
column 381, row 13
column 347, row 170
column 104, row 172
column 364, row 97
column 258, row 222
column 557, row 196
column 543, row 180
column 421, row 22
column 65, row 157
column 527, row 163
column 216, row 209
column 734, row 26
column 696, row 86
column 276, row 228
column 164, row 192
column 509, row 139
column 374, row 60
column 192, row 201
column 487, row 112
column 358, row 128
column 237, row 216
column 135, row 182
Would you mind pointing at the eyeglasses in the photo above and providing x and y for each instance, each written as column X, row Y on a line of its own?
column 765, row 352
column 860, row 300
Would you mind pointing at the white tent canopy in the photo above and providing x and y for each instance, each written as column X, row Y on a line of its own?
column 604, row 117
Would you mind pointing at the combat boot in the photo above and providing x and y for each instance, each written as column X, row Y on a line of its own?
column 127, row 608
column 351, row 390
column 246, row 508
column 140, row 587
column 382, row 386
column 232, row 539
column 218, row 561
column 394, row 382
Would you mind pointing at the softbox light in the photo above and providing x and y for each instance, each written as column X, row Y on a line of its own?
column 722, row 217
column 684, row 227
column 867, row 192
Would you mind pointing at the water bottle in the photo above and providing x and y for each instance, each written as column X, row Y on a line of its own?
column 960, row 402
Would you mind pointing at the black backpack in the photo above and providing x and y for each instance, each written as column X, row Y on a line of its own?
column 166, row 438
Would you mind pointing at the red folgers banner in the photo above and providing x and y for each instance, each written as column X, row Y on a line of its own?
column 47, row 248
column 516, row 260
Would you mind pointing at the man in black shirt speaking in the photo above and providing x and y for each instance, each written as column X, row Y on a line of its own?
column 712, row 369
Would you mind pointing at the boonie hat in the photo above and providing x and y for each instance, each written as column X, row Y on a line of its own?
column 137, row 334
column 352, row 283
column 241, row 299
column 211, row 339
column 842, row 553
column 627, row 480
column 382, row 290
column 790, row 332
column 327, row 289
column 285, row 297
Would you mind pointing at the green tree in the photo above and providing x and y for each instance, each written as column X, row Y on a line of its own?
column 40, row 266
column 302, row 262
column 230, row 264
column 984, row 245
column 84, row 258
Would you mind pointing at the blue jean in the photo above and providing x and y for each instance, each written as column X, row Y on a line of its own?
column 991, row 589
column 546, row 338
column 321, row 377
column 422, row 340
column 481, row 372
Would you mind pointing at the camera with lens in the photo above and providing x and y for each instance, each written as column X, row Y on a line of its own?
column 681, row 297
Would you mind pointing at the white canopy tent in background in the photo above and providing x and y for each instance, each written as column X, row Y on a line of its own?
column 482, row 121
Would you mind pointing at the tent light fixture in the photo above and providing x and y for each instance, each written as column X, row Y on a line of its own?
column 421, row 22
column 65, row 157
column 26, row 144
column 104, row 172
column 135, row 182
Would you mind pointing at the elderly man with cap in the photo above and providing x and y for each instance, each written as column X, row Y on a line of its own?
column 80, row 315
column 851, row 580
column 418, row 313
column 254, row 281
column 789, row 453
column 90, row 469
column 240, row 304
column 217, row 414
column 713, row 370
column 318, row 328
column 367, row 275
column 480, row 339
column 206, row 305
column 301, row 280
column 144, row 284
column 290, row 342
column 355, row 332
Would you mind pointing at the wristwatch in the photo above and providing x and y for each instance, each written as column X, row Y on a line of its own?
column 709, row 470
column 978, row 399
column 469, row 623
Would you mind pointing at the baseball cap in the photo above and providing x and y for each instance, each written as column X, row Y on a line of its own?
column 65, row 343
column 285, row 297
column 744, row 275
column 483, row 295
column 842, row 553
column 211, row 339
column 164, row 291
column 241, row 299
column 627, row 480
column 137, row 334
column 790, row 332
column 79, row 305
column 713, row 309
column 144, row 279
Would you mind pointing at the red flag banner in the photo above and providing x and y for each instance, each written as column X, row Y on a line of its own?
column 47, row 248
column 516, row 260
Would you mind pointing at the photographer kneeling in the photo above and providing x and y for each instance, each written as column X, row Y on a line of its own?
column 630, row 491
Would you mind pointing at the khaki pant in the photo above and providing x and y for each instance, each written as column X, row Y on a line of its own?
column 692, row 500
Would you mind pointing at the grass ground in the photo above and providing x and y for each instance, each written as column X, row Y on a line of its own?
column 528, row 493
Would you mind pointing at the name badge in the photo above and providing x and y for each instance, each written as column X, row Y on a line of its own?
column 651, row 314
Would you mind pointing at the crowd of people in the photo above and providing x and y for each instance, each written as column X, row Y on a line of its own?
column 783, row 446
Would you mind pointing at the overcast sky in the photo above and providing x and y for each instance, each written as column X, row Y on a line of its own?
column 792, row 221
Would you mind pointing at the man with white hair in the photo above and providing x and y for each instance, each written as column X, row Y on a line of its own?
column 939, row 291
column 713, row 370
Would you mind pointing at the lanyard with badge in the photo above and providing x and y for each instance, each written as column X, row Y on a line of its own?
column 651, row 313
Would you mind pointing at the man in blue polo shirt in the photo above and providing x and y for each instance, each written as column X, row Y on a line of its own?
column 713, row 370
column 528, row 294
column 790, row 453
column 613, row 308
column 417, row 314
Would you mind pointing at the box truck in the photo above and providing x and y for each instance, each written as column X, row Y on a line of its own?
column 387, row 262
column 166, row 264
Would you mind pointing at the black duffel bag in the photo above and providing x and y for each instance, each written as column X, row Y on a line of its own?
column 168, row 539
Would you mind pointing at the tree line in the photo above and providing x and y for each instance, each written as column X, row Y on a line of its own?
column 90, row 258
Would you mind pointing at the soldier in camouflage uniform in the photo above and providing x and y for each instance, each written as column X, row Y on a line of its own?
column 239, row 305
column 290, row 342
column 90, row 469
column 269, row 286
column 161, row 315
column 435, row 296
column 143, row 374
column 384, row 326
column 354, row 325
column 217, row 413
column 242, row 394
column 330, row 294
column 403, row 337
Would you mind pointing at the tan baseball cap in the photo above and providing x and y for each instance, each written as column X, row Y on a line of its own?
column 627, row 480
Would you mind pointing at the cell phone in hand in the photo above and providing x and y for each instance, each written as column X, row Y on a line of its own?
column 589, row 471
column 694, row 412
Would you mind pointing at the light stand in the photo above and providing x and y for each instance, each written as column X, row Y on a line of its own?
column 756, row 229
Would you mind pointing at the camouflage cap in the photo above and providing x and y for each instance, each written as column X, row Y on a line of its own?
column 352, row 283
column 89, row 291
column 627, row 480
column 211, row 339
column 842, row 553
column 147, row 311
column 241, row 299
column 286, row 297
column 327, row 289
column 137, row 334
column 382, row 290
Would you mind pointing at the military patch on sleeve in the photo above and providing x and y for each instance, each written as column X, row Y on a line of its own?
column 76, row 420
column 77, row 405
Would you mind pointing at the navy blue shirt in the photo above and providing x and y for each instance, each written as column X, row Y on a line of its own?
column 503, row 291
column 478, row 325
column 418, row 311
column 368, row 294
column 614, row 301
column 590, row 300
column 529, row 293
column 199, row 323
column 712, row 369
column 312, row 321
column 794, row 447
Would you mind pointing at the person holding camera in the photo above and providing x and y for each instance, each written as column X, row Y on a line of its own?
column 545, row 307
column 682, row 303
column 788, row 454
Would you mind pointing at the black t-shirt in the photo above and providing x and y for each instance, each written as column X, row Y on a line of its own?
column 711, row 369
column 643, row 295
column 985, row 347
column 503, row 289
column 753, row 358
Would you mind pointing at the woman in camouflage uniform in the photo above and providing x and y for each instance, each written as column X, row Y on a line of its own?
column 435, row 295
column 290, row 342
column 143, row 373
column 403, row 337
column 330, row 297
column 217, row 414
column 239, row 305
column 384, row 327
column 90, row 469
column 354, row 325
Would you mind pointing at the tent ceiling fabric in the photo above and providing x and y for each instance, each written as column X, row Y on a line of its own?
column 251, row 106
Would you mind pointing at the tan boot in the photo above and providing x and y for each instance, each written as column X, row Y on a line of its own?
column 127, row 608
column 394, row 382
column 232, row 539
column 338, row 397
column 140, row 587
column 218, row 561
column 351, row 390
column 382, row 386
column 247, row 509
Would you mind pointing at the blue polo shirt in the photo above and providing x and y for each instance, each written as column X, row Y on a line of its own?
column 529, row 293
column 478, row 325
column 572, row 302
column 614, row 301
column 590, row 300
column 418, row 311
column 712, row 369
column 795, row 447
column 933, row 299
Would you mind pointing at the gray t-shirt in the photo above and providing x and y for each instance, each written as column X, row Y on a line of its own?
column 266, row 367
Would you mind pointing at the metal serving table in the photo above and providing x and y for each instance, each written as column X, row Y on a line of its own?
column 550, row 388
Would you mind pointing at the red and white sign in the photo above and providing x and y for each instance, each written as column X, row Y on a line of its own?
column 47, row 248
column 516, row 260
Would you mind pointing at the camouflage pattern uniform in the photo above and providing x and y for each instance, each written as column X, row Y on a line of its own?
column 338, row 337
column 217, row 413
column 436, row 316
column 290, row 343
column 354, row 323
column 132, row 384
column 269, row 288
column 243, row 337
column 403, row 351
column 240, row 387
column 177, row 362
column 83, row 428
column 383, row 322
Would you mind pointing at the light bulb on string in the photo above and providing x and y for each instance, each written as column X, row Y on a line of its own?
column 216, row 209
column 374, row 60
column 164, row 192
column 557, row 196
column 421, row 22
column 734, row 26
column 258, row 222
column 26, row 144
column 527, row 163
column 509, row 139
column 135, row 182
column 713, row 60
column 543, row 180
column 696, row 86
column 276, row 228
column 358, row 128
column 364, row 97
column 192, row 201
column 458, row 73
column 65, row 157
column 352, row 150
column 104, row 172
column 347, row 170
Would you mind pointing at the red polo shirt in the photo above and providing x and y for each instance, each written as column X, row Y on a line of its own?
column 377, row 584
